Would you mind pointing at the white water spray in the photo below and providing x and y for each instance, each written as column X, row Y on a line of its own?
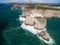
column 35, row 31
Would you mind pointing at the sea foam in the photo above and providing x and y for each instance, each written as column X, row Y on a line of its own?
column 31, row 29
column 21, row 18
column 50, row 42
column 35, row 31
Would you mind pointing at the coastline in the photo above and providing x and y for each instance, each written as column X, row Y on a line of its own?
column 35, row 31
column 35, row 25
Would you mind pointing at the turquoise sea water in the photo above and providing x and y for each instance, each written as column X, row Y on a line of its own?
column 12, row 34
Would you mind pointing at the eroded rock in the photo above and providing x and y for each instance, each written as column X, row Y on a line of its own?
column 45, row 35
column 25, row 14
column 38, row 26
column 40, row 23
column 29, row 21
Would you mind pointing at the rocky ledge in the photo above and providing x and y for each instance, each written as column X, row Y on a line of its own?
column 35, row 19
column 45, row 35
column 29, row 21
column 38, row 23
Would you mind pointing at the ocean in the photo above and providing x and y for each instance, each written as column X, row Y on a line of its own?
column 12, row 34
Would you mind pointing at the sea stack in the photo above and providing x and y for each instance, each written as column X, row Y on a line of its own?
column 35, row 20
column 15, row 6
column 45, row 35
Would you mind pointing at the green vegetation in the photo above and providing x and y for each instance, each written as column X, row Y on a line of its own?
column 42, row 7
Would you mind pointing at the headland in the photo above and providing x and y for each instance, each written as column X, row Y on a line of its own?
column 34, row 21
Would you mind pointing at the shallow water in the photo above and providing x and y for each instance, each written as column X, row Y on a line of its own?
column 12, row 34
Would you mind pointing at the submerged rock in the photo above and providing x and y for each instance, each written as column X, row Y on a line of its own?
column 45, row 35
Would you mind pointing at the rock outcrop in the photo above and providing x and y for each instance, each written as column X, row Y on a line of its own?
column 29, row 21
column 15, row 6
column 34, row 18
column 39, row 27
column 25, row 14
column 40, row 23
column 41, row 20
column 37, row 21
column 45, row 35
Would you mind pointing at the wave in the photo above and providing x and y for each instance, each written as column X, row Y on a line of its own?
column 51, row 42
column 35, row 31
column 21, row 18
column 31, row 29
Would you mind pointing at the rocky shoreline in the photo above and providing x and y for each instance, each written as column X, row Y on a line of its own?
column 45, row 35
column 35, row 19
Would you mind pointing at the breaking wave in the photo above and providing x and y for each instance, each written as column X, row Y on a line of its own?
column 35, row 31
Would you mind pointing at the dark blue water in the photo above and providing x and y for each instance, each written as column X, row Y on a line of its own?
column 12, row 34
column 53, row 27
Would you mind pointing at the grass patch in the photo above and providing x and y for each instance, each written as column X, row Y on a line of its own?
column 42, row 7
